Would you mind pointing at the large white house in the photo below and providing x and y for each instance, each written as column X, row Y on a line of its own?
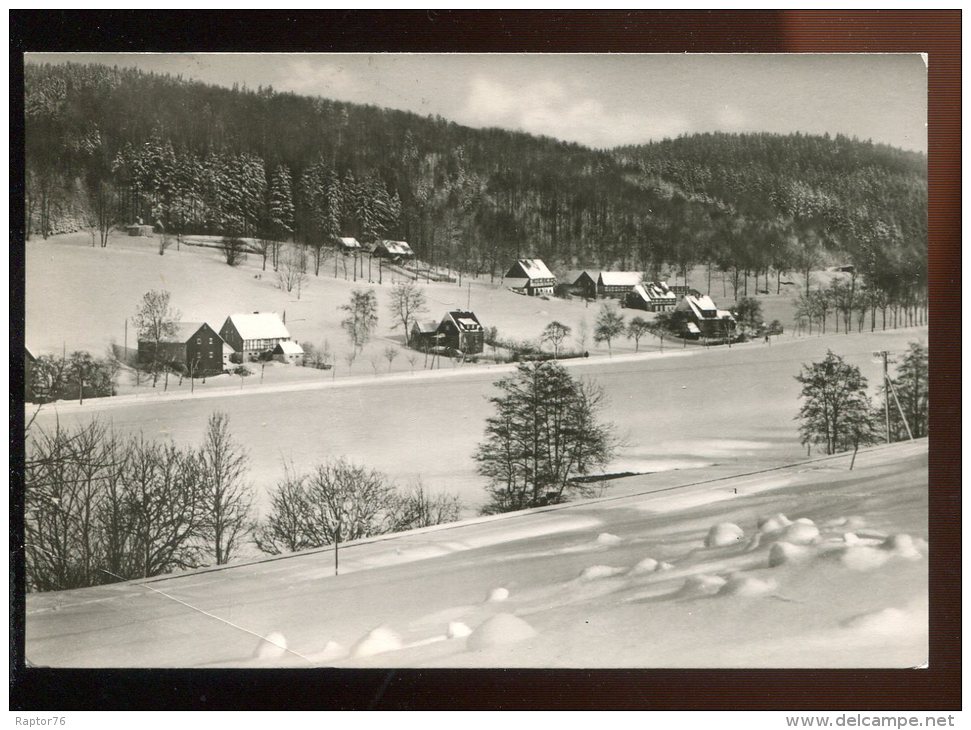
column 530, row 276
column 252, row 334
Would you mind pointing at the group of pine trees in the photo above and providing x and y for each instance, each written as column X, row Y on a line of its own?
column 109, row 145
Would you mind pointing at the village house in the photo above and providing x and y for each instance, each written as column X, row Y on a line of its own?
column 422, row 335
column 585, row 283
column 288, row 352
column 530, row 276
column 393, row 250
column 702, row 318
column 195, row 347
column 617, row 284
column 462, row 331
column 253, row 334
column 652, row 296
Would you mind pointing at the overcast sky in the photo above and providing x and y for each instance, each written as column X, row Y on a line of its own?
column 597, row 100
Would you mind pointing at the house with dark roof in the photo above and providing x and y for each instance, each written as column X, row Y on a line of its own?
column 462, row 331
column 585, row 283
column 530, row 276
column 422, row 335
column 254, row 334
column 194, row 347
column 651, row 296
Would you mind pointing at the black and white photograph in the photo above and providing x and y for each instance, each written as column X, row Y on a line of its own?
column 476, row 360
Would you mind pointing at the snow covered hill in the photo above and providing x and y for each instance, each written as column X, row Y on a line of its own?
column 810, row 565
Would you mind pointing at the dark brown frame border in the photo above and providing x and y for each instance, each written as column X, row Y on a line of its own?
column 937, row 33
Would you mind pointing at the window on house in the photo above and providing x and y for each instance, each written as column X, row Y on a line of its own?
column 210, row 340
column 198, row 340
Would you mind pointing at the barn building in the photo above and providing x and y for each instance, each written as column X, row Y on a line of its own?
column 530, row 276
column 617, row 284
column 254, row 334
column 462, row 331
column 195, row 347
column 652, row 296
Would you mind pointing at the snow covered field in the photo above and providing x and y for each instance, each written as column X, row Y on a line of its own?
column 806, row 566
column 688, row 408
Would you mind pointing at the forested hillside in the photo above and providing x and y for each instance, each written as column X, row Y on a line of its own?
column 106, row 146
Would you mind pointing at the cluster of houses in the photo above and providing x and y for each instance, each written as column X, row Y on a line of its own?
column 395, row 251
column 699, row 315
column 200, row 350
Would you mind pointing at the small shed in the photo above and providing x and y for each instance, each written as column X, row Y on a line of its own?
column 288, row 352
column 348, row 243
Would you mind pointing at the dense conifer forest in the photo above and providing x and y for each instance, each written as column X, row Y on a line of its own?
column 107, row 146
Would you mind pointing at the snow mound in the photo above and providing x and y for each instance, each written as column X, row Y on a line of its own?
column 800, row 533
column 647, row 565
column 664, row 566
column 903, row 546
column 595, row 572
column 850, row 524
column 457, row 630
column 891, row 621
column 701, row 585
column 503, row 628
column 723, row 534
column 378, row 641
column 497, row 595
column 745, row 585
column 785, row 553
column 272, row 646
column 773, row 523
column 864, row 557
column 605, row 538
column 332, row 650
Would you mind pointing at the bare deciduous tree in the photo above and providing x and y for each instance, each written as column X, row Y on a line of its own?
column 362, row 317
column 227, row 497
column 292, row 268
column 555, row 333
column 155, row 320
column 407, row 303
column 234, row 250
column 390, row 353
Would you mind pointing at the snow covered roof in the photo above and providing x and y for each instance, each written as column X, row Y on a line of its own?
column 654, row 290
column 466, row 321
column 288, row 347
column 620, row 278
column 426, row 326
column 534, row 269
column 349, row 242
column 183, row 331
column 398, row 248
column 702, row 306
column 260, row 326
column 693, row 328
column 723, row 314
column 574, row 275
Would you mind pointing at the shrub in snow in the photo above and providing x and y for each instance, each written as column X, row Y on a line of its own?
column 723, row 534
column 773, row 522
column 647, row 565
column 378, row 641
column 503, row 628
column 457, row 630
column 800, row 533
column 272, row 646
column 782, row 553
column 497, row 595
column 701, row 585
column 599, row 571
column 605, row 538
column 903, row 546
column 745, row 585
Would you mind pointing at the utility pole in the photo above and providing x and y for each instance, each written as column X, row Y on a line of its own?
column 886, row 392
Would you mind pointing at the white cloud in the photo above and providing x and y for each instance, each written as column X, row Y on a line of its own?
column 326, row 79
column 558, row 110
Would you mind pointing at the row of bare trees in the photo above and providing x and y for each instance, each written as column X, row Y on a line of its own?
column 100, row 507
